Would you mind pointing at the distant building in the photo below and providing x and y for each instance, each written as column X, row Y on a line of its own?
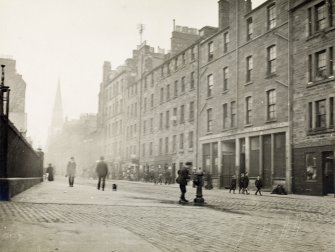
column 77, row 137
column 17, row 85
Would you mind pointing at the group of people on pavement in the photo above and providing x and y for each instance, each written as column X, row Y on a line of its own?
column 244, row 184
column 184, row 176
column 101, row 170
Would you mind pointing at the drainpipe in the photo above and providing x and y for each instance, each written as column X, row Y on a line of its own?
column 290, row 102
column 237, row 154
column 198, row 112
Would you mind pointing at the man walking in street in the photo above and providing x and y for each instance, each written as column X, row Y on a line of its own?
column 258, row 184
column 183, row 177
column 102, row 171
column 71, row 171
column 245, row 183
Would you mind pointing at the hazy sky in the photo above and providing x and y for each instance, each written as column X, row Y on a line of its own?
column 71, row 39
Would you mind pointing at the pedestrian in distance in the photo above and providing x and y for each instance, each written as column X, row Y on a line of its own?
column 71, row 171
column 160, row 178
column 182, row 180
column 50, row 172
column 241, row 183
column 167, row 177
column 102, row 171
column 233, row 184
column 245, row 183
column 259, row 185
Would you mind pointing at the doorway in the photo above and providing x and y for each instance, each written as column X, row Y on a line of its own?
column 328, row 172
column 267, row 160
column 228, row 169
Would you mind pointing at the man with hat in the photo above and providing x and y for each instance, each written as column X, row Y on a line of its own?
column 102, row 171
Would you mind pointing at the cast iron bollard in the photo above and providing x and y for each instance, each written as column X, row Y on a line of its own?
column 198, row 182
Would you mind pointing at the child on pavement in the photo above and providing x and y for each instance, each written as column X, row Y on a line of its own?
column 233, row 184
column 258, row 184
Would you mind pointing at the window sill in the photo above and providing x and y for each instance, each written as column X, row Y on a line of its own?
column 318, row 82
column 192, row 89
column 209, row 133
column 248, row 125
column 209, row 97
column 248, row 83
column 271, row 120
column 312, row 181
column 181, row 151
column 271, row 75
column 225, row 91
column 317, row 131
column 190, row 150
column 320, row 33
column 191, row 121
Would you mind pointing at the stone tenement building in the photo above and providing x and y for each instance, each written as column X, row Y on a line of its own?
column 254, row 95
column 244, row 94
column 313, row 95
column 17, row 100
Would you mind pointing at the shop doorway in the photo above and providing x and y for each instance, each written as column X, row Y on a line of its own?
column 328, row 172
column 267, row 160
column 228, row 169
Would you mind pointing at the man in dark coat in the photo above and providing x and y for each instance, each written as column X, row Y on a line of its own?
column 245, row 183
column 259, row 185
column 183, row 177
column 241, row 183
column 102, row 171
column 50, row 171
column 71, row 171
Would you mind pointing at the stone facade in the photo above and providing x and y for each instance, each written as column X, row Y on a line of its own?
column 313, row 94
column 262, row 96
column 17, row 100
column 243, row 116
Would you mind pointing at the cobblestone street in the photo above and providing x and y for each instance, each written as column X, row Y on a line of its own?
column 146, row 217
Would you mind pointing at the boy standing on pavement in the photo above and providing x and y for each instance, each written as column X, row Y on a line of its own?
column 258, row 184
column 71, row 171
column 102, row 171
column 183, row 177
column 233, row 184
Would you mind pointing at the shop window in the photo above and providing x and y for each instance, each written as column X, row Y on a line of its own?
column 254, row 157
column 311, row 168
column 206, row 150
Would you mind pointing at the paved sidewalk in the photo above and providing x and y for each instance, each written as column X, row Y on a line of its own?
column 146, row 217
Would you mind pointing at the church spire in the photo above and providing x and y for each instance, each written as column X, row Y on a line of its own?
column 57, row 113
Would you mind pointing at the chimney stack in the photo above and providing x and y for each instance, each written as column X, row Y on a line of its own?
column 223, row 14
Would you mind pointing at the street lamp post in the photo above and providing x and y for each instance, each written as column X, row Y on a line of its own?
column 4, row 111
column 198, row 182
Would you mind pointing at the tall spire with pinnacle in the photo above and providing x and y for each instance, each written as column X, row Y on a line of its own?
column 57, row 113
